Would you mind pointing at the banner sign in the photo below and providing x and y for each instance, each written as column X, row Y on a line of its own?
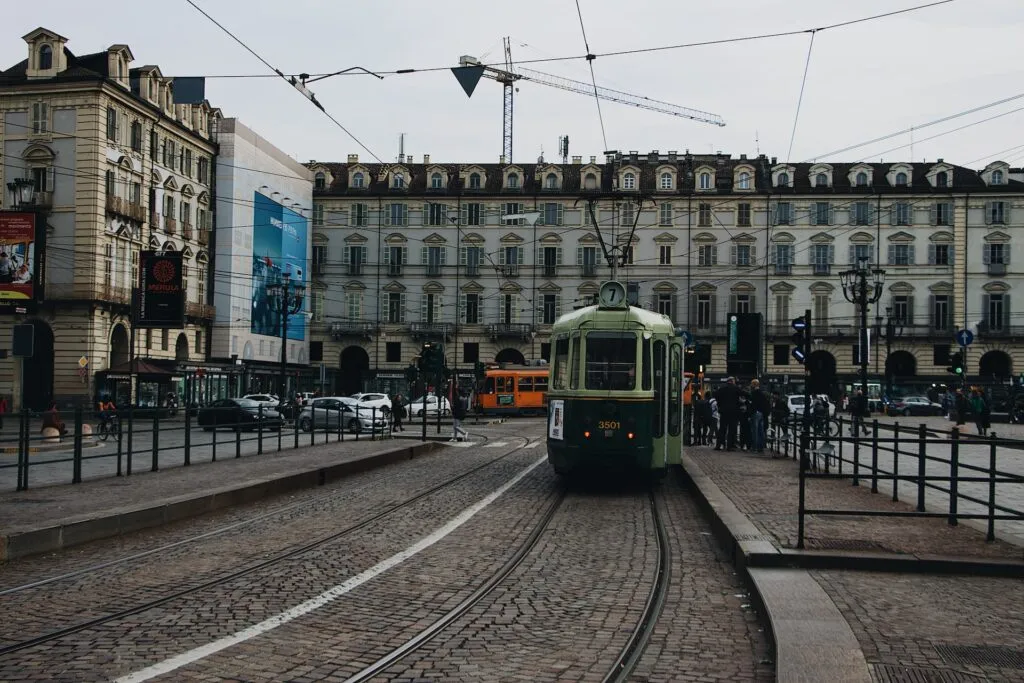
column 22, row 251
column 161, row 300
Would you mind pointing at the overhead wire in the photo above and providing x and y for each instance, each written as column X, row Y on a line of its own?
column 593, row 79
column 800, row 99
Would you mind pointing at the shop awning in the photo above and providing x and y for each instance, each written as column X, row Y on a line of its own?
column 140, row 367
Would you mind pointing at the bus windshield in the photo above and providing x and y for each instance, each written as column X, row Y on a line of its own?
column 611, row 361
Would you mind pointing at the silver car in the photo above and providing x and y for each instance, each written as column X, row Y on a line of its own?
column 331, row 411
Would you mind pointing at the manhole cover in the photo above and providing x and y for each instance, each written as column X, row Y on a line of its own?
column 982, row 655
column 844, row 544
column 893, row 673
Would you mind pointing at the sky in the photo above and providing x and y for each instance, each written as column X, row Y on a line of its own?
column 863, row 81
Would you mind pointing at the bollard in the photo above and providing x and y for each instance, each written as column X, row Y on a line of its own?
column 312, row 423
column 373, row 424
column 76, row 467
column 156, row 441
column 280, row 432
column 856, row 455
column 296, row 442
column 922, row 435
column 991, row 534
column 359, row 425
column 895, row 460
column 238, row 434
column 213, row 440
column 839, row 451
column 259, row 430
column 23, row 431
column 131, row 434
column 188, row 437
column 954, row 472
column 120, row 444
column 874, row 456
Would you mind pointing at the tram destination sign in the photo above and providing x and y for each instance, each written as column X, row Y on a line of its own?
column 161, row 296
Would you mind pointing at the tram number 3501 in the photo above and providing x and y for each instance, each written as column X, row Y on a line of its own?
column 609, row 424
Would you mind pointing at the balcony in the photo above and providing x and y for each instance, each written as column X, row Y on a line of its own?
column 997, row 269
column 95, row 292
column 821, row 268
column 395, row 270
column 422, row 331
column 42, row 200
column 780, row 269
column 988, row 331
column 319, row 267
column 203, row 237
column 342, row 330
column 510, row 271
column 170, row 225
column 472, row 271
column 125, row 208
column 588, row 270
column 200, row 311
column 519, row 331
column 433, row 270
column 186, row 231
column 355, row 269
column 550, row 271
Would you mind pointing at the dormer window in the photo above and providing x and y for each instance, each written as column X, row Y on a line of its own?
column 628, row 181
column 901, row 179
column 941, row 179
column 666, row 181
column 743, row 182
column 398, row 181
column 358, row 179
column 436, row 181
column 45, row 57
column 997, row 177
column 862, row 179
column 513, row 181
column 821, row 180
column 590, row 182
column 319, row 181
column 704, row 180
column 551, row 181
column 783, row 179
column 474, row 181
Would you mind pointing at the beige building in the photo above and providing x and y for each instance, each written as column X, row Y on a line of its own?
column 486, row 256
column 117, row 167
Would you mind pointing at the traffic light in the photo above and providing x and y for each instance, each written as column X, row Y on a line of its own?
column 479, row 371
column 410, row 374
column 801, row 339
column 956, row 363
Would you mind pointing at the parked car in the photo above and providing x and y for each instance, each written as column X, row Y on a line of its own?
column 914, row 405
column 369, row 400
column 796, row 404
column 265, row 399
column 238, row 413
column 330, row 411
column 416, row 406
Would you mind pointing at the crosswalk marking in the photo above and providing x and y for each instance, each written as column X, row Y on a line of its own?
column 532, row 445
column 496, row 444
column 460, row 444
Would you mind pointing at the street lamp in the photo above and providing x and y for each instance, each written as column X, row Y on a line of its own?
column 286, row 298
column 855, row 290
column 22, row 191
column 893, row 329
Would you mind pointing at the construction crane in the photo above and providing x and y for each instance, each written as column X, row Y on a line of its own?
column 470, row 70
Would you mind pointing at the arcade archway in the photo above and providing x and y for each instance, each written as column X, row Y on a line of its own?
column 37, row 381
column 181, row 348
column 900, row 364
column 355, row 366
column 510, row 356
column 119, row 347
column 996, row 364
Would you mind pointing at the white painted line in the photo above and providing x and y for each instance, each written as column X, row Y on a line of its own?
column 496, row 444
column 328, row 596
column 459, row 444
column 532, row 444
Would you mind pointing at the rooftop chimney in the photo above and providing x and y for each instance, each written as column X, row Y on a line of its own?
column 501, row 159
column 576, row 161
column 775, row 160
column 743, row 157
column 672, row 155
column 353, row 158
column 939, row 160
column 426, row 158
column 593, row 160
column 408, row 159
column 655, row 155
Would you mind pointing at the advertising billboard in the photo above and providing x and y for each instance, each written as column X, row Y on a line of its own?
column 161, row 299
column 21, row 261
column 278, row 248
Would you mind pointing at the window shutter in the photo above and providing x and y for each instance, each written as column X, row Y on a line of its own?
column 892, row 254
column 515, row 309
column 501, row 256
column 952, row 254
column 773, row 254
column 911, row 250
column 387, row 255
column 464, row 214
column 733, row 303
column 988, row 213
column 540, row 255
column 401, row 307
column 910, row 311
column 1006, row 312
column 444, row 256
column 362, row 255
column 1007, row 208
column 383, row 298
column 753, row 254
column 931, row 254
column 931, row 310
column 405, row 256
column 579, row 256
column 520, row 251
column 933, row 215
column 853, row 254
column 345, row 255
column 424, row 255
column 1006, row 254
column 561, row 214
column 463, row 258
column 424, row 300
column 714, row 309
column 462, row 308
column 831, row 254
column 732, row 254
column 387, row 214
column 714, row 256
column 558, row 306
column 773, row 216
column 986, row 254
column 831, row 214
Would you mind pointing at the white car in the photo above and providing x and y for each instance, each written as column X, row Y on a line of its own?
column 796, row 404
column 328, row 411
column 416, row 406
column 265, row 399
column 369, row 400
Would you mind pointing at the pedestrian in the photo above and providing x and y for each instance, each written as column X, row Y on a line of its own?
column 758, row 416
column 780, row 418
column 398, row 413
column 3, row 410
column 728, row 398
column 51, row 419
column 743, row 423
column 858, row 412
column 703, row 420
column 961, row 406
column 458, row 415
column 981, row 411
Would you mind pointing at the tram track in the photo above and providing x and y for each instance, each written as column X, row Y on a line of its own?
column 237, row 573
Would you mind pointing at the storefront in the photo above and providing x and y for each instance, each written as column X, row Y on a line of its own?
column 154, row 380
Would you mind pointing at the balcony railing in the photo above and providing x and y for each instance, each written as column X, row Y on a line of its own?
column 432, row 330
column 986, row 330
column 340, row 330
column 588, row 270
column 355, row 269
column 550, row 271
column 433, row 270
column 395, row 270
column 95, row 292
column 998, row 269
column 201, row 311
column 128, row 209
column 319, row 267
column 821, row 268
column 186, row 231
column 472, row 271
column 783, row 269
column 203, row 237
column 510, row 271
column 170, row 225
column 43, row 200
column 510, row 330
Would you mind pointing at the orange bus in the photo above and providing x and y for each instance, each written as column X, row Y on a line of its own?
column 513, row 390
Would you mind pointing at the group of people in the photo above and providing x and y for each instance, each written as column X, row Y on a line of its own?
column 10, row 271
column 975, row 405
column 460, row 408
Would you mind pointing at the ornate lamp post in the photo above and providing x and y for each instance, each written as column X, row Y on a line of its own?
column 855, row 290
column 286, row 298
column 22, row 192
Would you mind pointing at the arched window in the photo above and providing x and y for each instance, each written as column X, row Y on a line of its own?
column 783, row 180
column 551, row 181
column 821, row 180
column 319, row 181
column 628, row 181
column 513, row 181
column 45, row 57
column 705, row 181
column 399, row 180
column 744, row 181
column 357, row 179
column 997, row 177
column 436, row 181
column 666, row 181
column 862, row 179
column 474, row 181
column 901, row 179
column 941, row 179
column 590, row 182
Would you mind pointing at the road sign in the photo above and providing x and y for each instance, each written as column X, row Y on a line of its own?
column 964, row 337
column 687, row 338
column 82, row 372
column 799, row 354
column 799, row 324
column 83, row 361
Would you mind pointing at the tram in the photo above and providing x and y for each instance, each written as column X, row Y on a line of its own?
column 513, row 390
column 615, row 394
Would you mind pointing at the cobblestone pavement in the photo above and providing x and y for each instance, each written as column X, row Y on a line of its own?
column 919, row 623
column 766, row 490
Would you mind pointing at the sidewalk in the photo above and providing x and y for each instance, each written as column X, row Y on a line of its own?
column 871, row 598
column 50, row 518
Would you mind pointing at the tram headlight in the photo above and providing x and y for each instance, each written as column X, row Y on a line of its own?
column 629, row 435
column 586, row 434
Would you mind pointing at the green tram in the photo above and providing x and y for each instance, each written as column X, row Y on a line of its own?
column 615, row 395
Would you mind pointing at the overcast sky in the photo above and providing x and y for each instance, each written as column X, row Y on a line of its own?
column 864, row 81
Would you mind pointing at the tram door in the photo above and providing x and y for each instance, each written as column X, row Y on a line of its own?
column 675, row 404
column 660, row 417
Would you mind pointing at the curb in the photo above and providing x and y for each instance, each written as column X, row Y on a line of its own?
column 59, row 537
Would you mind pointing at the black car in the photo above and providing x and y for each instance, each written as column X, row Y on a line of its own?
column 238, row 413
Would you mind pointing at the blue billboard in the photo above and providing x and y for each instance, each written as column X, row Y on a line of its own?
column 278, row 247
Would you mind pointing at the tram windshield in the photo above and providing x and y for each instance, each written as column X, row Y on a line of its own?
column 611, row 361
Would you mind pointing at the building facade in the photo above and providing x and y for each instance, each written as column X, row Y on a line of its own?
column 118, row 166
column 486, row 256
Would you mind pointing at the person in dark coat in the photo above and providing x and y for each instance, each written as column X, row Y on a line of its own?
column 728, row 398
column 459, row 411
column 397, row 413
column 961, row 406
column 858, row 412
column 703, row 421
column 758, row 410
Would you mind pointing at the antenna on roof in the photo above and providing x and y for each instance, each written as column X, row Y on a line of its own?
column 563, row 148
column 401, row 148
column 757, row 142
column 540, row 159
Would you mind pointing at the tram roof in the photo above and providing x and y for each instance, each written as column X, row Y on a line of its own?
column 648, row 319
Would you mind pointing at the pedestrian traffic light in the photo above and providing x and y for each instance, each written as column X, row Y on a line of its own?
column 956, row 363
column 801, row 339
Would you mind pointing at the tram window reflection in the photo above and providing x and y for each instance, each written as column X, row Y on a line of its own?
column 561, row 369
column 611, row 361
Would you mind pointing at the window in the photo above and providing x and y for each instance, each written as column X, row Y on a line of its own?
column 549, row 258
column 627, row 215
column 135, row 197
column 472, row 257
column 587, row 257
column 665, row 215
column 704, row 215
column 611, row 361
column 168, row 153
column 705, row 312
column 628, row 181
column 201, row 281
column 203, row 170
column 436, row 181
column 997, row 177
column 783, row 258
column 398, row 181
column 665, row 255
column 707, row 255
column 185, row 213
column 358, row 180
column 940, row 254
column 319, row 181
column 627, row 255
column 513, row 181
column 318, row 215
column 862, row 179
column 822, row 302
column 395, row 309
column 395, row 258
column 821, row 258
column 861, row 252
column 901, row 254
column 472, row 214
column 901, row 179
column 744, row 181
column 551, row 181
column 942, row 214
column 941, row 179
column 393, row 352
column 780, row 354
column 40, row 118
column 550, row 309
column 356, row 257
column 666, row 181
column 398, row 214
column 665, row 305
column 436, row 214
column 358, row 215
column 901, row 213
column 742, row 303
column 590, row 182
column 995, row 213
column 783, row 180
column 319, row 258
column 354, row 305
column 862, row 213
column 822, row 213
column 154, row 144
column 704, row 181
column 45, row 57
column 743, row 215
column 111, row 124
column 551, row 213
column 821, row 180
column 996, row 253
column 941, row 306
column 901, row 308
column 995, row 313
column 111, row 186
column 510, row 257
column 41, row 179
column 471, row 352
column 507, row 311
column 783, row 213
column 513, row 209
column 560, row 369
column 435, row 259
column 471, row 309
column 474, row 181
column 187, row 163
column 744, row 255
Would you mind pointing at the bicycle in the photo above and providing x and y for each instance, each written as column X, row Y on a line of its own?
column 109, row 427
